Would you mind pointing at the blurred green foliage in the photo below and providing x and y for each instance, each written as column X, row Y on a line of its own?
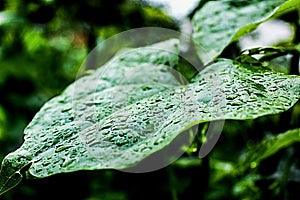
column 44, row 42
column 42, row 45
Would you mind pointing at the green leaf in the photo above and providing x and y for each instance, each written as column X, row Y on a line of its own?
column 268, row 147
column 219, row 23
column 12, row 170
column 52, row 139
column 134, row 106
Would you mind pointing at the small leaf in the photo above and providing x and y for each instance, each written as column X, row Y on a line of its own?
column 11, row 170
column 133, row 107
column 219, row 23
column 268, row 147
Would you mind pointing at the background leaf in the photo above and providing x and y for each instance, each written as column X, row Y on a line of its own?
column 218, row 23
column 117, row 116
column 268, row 147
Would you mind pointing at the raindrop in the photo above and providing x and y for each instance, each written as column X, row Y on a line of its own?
column 66, row 109
column 46, row 163
column 176, row 121
column 231, row 97
column 158, row 141
column 135, row 140
column 197, row 90
column 67, row 162
column 105, row 132
column 61, row 148
column 145, row 88
column 168, row 106
column 145, row 149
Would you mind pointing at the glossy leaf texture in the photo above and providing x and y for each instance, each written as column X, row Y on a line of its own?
column 52, row 139
column 134, row 106
column 219, row 23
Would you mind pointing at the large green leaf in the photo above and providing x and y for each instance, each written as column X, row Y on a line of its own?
column 133, row 107
column 218, row 23
column 52, row 139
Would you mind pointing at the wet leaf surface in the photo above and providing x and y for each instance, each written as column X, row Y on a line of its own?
column 219, row 23
column 134, row 106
